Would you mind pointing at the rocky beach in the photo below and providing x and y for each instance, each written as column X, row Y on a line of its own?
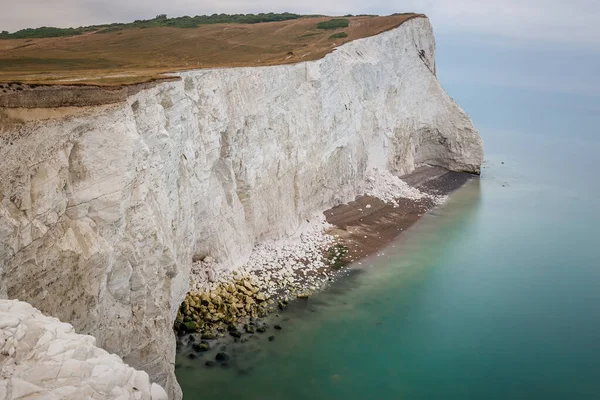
column 227, row 310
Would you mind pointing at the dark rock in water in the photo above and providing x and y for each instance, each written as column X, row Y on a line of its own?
column 201, row 347
column 191, row 356
column 209, row 336
column 231, row 328
column 271, row 338
column 178, row 344
column 236, row 334
column 210, row 364
column 261, row 329
column 222, row 356
column 192, row 338
column 249, row 328
column 225, row 364
column 278, row 327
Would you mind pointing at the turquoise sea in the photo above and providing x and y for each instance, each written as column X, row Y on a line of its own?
column 495, row 295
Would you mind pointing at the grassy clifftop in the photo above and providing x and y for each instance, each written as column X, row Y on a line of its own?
column 144, row 50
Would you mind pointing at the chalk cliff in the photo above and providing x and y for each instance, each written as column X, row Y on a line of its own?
column 102, row 209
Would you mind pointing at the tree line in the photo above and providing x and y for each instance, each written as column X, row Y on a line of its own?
column 160, row 20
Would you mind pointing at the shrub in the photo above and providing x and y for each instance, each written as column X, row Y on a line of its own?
column 339, row 35
column 307, row 35
column 335, row 23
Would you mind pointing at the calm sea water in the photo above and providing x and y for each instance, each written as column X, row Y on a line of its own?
column 495, row 295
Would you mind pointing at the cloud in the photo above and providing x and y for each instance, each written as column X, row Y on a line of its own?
column 575, row 22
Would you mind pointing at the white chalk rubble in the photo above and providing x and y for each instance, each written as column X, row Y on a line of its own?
column 382, row 184
column 43, row 358
column 276, row 266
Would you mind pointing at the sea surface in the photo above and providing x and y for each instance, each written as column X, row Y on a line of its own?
column 494, row 295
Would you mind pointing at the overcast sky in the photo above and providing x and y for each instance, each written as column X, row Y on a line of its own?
column 576, row 22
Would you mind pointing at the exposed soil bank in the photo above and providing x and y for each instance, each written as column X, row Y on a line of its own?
column 17, row 95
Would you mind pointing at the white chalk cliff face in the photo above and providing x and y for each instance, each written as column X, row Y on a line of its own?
column 102, row 210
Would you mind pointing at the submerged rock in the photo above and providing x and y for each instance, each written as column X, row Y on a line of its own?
column 208, row 336
column 201, row 347
column 261, row 329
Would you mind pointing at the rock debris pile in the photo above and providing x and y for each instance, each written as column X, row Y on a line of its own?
column 382, row 184
column 274, row 273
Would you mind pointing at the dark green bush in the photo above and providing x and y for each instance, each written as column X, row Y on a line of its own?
column 335, row 23
column 340, row 35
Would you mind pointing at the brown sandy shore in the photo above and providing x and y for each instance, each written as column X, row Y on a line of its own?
column 366, row 230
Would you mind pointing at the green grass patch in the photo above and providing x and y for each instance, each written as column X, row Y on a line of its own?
column 335, row 23
column 339, row 35
column 308, row 35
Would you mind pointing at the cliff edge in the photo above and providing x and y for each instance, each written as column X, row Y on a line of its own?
column 102, row 209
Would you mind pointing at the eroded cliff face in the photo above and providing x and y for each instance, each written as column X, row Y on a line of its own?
column 102, row 210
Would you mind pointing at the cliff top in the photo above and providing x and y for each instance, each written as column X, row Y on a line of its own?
column 124, row 54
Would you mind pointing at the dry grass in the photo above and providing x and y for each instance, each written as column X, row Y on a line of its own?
column 138, row 55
